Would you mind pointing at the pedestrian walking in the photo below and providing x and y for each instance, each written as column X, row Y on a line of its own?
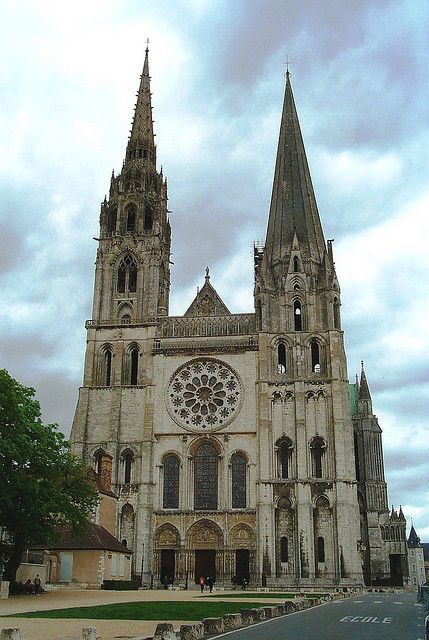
column 209, row 583
column 37, row 585
column 201, row 583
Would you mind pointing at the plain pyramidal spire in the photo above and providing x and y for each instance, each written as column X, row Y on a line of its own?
column 364, row 393
column 293, row 204
column 141, row 143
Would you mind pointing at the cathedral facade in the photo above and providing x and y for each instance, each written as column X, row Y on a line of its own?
column 230, row 438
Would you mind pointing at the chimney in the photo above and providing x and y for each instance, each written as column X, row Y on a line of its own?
column 105, row 473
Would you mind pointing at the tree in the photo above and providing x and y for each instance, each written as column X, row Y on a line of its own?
column 43, row 486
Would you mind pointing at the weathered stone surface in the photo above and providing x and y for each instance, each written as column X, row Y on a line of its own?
column 231, row 621
column 258, row 614
column 270, row 612
column 246, row 617
column 192, row 631
column 4, row 589
column 281, row 609
column 89, row 633
column 10, row 634
column 164, row 631
column 290, row 606
column 213, row 625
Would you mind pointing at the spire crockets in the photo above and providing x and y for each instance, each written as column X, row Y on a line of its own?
column 293, row 207
column 141, row 143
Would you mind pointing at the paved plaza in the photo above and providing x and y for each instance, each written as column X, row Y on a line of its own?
column 60, row 629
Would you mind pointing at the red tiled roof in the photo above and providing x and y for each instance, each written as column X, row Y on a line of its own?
column 96, row 537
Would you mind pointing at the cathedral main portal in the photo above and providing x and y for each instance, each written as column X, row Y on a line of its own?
column 205, row 564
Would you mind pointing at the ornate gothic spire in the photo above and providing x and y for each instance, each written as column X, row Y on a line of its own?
column 141, row 143
column 293, row 203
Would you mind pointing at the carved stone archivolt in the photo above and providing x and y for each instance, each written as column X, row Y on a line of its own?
column 242, row 536
column 204, row 395
column 167, row 536
column 205, row 535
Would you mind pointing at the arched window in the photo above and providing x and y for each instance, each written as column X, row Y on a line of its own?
column 297, row 315
column 128, row 459
column 296, row 264
column 134, row 366
column 206, row 482
column 127, row 275
column 107, row 368
column 320, row 549
column 170, row 498
column 284, row 457
column 131, row 213
column 315, row 356
column 281, row 358
column 238, row 481
column 337, row 322
column 148, row 218
column 284, row 552
column 111, row 220
column 317, row 452
column 98, row 457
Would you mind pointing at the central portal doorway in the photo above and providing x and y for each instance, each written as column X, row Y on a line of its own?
column 205, row 564
column 242, row 565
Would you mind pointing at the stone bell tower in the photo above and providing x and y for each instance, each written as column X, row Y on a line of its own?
column 132, row 277
column 309, row 516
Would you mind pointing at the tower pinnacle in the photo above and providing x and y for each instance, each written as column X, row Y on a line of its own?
column 141, row 143
column 293, row 204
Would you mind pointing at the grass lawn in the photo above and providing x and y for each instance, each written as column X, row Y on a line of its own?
column 174, row 610
column 266, row 594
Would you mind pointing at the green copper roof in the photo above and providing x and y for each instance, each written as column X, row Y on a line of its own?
column 353, row 399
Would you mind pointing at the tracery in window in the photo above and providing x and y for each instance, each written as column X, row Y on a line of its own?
column 297, row 315
column 238, row 481
column 206, row 478
column 170, row 498
column 127, row 275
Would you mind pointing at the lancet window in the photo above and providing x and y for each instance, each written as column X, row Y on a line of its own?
column 127, row 275
column 148, row 218
column 284, row 551
column 297, row 315
column 206, row 478
column 111, row 220
column 317, row 453
column 128, row 462
column 170, row 498
column 320, row 549
column 238, row 481
column 134, row 366
column 315, row 356
column 281, row 358
column 131, row 214
column 284, row 458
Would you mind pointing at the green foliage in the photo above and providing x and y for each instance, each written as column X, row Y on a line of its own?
column 43, row 485
column 167, row 610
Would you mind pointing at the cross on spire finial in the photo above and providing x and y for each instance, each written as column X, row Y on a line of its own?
column 287, row 63
column 147, row 45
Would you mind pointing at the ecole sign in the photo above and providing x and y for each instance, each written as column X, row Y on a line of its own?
column 374, row 619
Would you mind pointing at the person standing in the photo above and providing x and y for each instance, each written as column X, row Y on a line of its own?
column 209, row 583
column 201, row 583
column 37, row 585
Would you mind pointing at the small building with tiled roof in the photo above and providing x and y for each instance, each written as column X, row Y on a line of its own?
column 416, row 563
column 89, row 559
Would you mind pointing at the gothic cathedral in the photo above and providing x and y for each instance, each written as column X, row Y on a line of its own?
column 234, row 442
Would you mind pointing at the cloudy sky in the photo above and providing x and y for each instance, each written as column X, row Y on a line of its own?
column 69, row 73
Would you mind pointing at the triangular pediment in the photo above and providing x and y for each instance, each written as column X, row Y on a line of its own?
column 207, row 302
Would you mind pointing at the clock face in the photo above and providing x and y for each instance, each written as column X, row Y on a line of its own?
column 204, row 395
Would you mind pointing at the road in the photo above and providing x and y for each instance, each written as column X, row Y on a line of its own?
column 372, row 616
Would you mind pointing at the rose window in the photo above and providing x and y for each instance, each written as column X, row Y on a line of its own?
column 204, row 394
